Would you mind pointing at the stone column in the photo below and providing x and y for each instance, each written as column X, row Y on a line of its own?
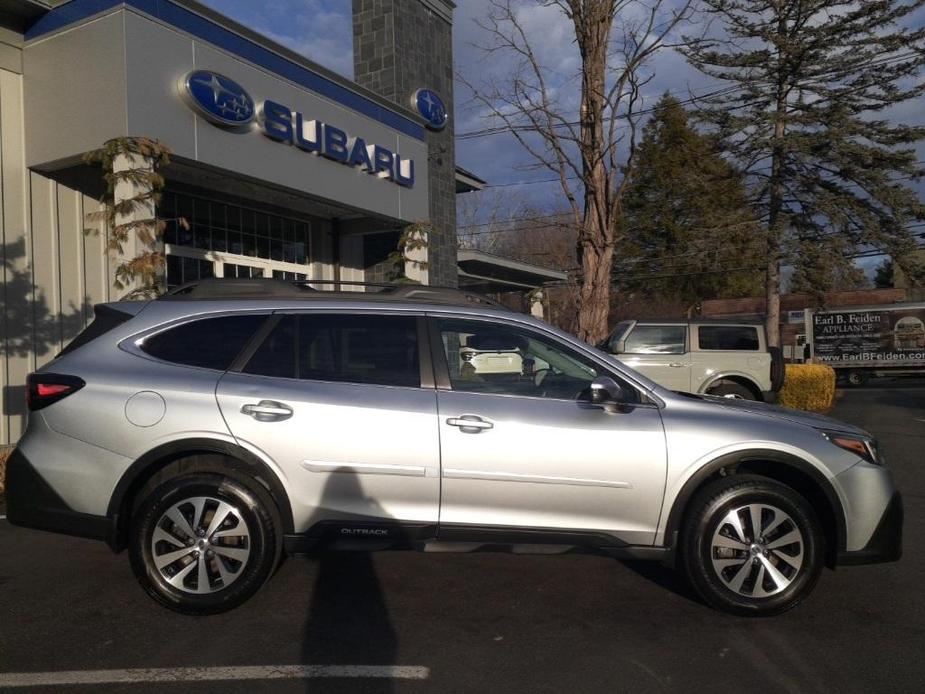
column 400, row 46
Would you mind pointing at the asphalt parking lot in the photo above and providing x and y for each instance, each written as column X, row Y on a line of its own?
column 486, row 621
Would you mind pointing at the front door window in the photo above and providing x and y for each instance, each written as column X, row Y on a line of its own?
column 492, row 358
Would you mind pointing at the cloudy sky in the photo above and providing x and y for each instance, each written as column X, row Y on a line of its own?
column 321, row 30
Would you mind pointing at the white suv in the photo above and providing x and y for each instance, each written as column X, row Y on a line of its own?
column 717, row 358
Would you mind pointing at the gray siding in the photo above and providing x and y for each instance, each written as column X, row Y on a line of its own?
column 53, row 272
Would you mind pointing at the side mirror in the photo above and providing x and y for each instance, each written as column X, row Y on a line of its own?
column 606, row 391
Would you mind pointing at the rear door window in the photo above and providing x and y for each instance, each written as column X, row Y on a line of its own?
column 209, row 343
column 378, row 350
column 728, row 337
column 657, row 339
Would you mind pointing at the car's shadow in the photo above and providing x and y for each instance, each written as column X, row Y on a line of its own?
column 665, row 578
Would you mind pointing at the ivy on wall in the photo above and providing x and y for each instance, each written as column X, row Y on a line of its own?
column 144, row 272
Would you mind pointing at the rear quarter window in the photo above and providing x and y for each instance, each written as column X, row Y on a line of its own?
column 209, row 343
column 728, row 338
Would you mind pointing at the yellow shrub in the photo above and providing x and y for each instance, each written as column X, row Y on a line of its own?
column 809, row 387
column 4, row 454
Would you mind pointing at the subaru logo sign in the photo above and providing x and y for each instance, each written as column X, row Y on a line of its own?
column 218, row 98
column 431, row 107
column 225, row 103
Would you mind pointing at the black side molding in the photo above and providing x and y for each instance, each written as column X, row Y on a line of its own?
column 32, row 503
column 510, row 535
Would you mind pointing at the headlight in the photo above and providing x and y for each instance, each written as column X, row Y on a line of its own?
column 863, row 446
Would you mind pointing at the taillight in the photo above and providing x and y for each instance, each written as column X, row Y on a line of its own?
column 44, row 389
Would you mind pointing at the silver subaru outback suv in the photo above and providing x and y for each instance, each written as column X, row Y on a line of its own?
column 229, row 422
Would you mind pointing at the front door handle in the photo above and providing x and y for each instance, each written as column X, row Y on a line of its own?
column 469, row 423
column 267, row 411
column 678, row 365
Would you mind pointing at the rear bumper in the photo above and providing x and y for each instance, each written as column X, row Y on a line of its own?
column 886, row 543
column 32, row 503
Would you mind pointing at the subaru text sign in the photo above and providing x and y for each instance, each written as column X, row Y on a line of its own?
column 224, row 102
column 427, row 103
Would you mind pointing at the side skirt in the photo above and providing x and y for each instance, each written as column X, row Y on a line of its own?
column 373, row 536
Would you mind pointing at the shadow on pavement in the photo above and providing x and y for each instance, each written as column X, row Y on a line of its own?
column 348, row 621
column 664, row 578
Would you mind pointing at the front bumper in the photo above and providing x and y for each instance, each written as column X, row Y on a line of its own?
column 32, row 503
column 886, row 543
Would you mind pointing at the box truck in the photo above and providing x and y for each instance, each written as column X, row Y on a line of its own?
column 867, row 341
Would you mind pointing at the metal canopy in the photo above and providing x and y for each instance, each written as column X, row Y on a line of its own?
column 493, row 273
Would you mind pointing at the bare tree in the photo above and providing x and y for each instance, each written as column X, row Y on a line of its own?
column 589, row 146
column 483, row 217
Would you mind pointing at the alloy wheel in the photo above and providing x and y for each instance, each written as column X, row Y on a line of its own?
column 200, row 545
column 757, row 550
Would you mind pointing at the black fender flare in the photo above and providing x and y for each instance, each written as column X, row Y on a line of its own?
column 140, row 470
column 736, row 458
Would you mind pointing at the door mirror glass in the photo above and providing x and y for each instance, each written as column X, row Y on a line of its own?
column 606, row 391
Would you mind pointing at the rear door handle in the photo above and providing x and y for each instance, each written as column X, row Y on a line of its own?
column 267, row 411
column 470, row 423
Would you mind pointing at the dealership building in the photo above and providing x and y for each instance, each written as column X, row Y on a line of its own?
column 278, row 166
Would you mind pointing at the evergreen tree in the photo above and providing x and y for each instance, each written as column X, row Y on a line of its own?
column 686, row 216
column 883, row 275
column 806, row 114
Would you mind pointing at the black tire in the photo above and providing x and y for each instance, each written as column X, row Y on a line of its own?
column 707, row 517
column 857, row 378
column 254, row 533
column 730, row 389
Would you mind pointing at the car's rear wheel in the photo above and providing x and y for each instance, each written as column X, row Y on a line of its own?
column 204, row 543
column 858, row 378
column 731, row 389
column 752, row 546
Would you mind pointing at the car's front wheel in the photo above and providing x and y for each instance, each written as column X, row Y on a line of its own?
column 752, row 546
column 203, row 543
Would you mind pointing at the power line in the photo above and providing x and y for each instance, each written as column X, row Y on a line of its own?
column 472, row 134
column 724, row 91
column 745, row 268
column 530, row 183
column 510, row 184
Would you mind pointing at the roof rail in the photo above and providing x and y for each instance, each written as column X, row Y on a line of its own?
column 272, row 288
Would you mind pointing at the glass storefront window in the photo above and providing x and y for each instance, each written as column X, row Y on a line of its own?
column 233, row 270
column 218, row 226
column 226, row 228
column 286, row 275
column 182, row 270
